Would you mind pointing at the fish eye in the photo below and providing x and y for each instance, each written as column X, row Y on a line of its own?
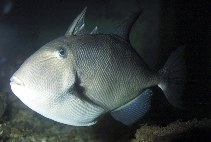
column 62, row 53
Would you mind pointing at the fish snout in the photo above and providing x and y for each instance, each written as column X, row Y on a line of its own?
column 16, row 81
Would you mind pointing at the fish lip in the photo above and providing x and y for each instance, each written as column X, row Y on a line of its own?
column 16, row 81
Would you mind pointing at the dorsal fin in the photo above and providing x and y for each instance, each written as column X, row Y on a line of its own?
column 94, row 31
column 124, row 28
column 77, row 25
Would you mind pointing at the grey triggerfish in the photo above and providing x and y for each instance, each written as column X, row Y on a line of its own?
column 78, row 78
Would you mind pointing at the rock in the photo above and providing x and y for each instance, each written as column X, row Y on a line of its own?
column 177, row 131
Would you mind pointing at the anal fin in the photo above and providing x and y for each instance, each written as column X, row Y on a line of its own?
column 133, row 110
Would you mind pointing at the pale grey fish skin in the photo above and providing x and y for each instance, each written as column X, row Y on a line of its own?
column 77, row 78
column 51, row 83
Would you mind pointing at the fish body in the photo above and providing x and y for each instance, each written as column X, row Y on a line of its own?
column 107, row 65
column 77, row 78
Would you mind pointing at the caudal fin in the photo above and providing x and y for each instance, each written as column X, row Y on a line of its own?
column 174, row 77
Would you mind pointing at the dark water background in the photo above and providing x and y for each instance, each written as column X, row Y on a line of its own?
column 25, row 25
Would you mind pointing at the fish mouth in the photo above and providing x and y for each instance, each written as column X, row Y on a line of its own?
column 16, row 81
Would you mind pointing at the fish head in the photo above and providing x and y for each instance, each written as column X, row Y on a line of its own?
column 46, row 82
column 46, row 71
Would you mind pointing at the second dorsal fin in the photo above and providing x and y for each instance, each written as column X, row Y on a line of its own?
column 124, row 28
